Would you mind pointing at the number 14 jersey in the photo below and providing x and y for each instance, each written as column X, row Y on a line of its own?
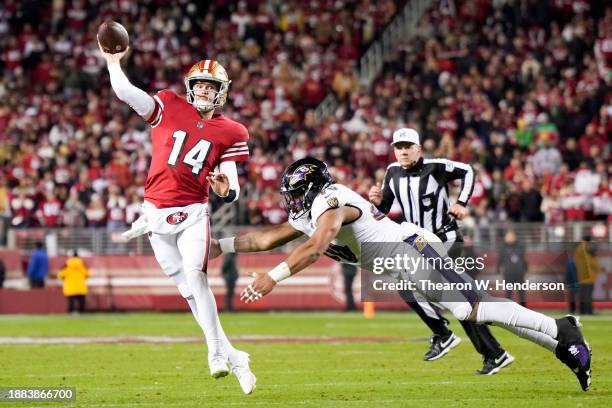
column 186, row 148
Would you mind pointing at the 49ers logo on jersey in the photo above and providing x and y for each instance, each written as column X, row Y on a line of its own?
column 176, row 218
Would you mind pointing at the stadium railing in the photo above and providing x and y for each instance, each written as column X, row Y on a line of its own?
column 102, row 241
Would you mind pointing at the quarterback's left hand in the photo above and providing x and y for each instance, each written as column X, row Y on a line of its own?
column 219, row 183
column 260, row 287
column 459, row 211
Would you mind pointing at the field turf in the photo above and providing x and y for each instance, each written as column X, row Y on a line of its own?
column 329, row 360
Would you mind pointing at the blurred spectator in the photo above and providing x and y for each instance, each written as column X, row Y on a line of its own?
column 49, row 211
column 571, row 155
column 512, row 264
column 588, row 267
column 38, row 267
column 267, row 210
column 5, row 211
column 531, row 203
column 73, row 214
column 96, row 212
column 547, row 159
column 571, row 282
column 116, row 205
column 74, row 278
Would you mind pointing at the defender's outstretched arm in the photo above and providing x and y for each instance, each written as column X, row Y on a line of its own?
column 263, row 239
column 328, row 226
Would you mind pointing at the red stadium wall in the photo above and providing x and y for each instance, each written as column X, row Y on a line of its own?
column 137, row 283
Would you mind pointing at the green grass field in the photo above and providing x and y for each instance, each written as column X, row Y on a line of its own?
column 353, row 373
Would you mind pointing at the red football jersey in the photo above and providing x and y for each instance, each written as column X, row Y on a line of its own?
column 186, row 148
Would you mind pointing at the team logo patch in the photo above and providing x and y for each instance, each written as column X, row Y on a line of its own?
column 176, row 218
column 333, row 202
column 301, row 172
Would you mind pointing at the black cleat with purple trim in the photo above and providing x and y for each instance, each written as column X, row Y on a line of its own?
column 573, row 350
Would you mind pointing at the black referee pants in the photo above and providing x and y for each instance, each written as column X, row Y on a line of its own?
column 480, row 335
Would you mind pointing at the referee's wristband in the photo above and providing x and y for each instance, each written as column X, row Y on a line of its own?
column 280, row 272
column 227, row 245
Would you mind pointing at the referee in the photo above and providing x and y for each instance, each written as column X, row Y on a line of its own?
column 421, row 188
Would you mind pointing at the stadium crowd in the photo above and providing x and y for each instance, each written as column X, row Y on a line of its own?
column 518, row 89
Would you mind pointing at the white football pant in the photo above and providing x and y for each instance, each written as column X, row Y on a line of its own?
column 184, row 257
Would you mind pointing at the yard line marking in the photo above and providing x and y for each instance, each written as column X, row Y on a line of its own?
column 28, row 340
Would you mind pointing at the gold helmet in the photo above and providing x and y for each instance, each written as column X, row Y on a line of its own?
column 207, row 70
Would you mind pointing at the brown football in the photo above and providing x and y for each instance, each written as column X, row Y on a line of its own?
column 113, row 37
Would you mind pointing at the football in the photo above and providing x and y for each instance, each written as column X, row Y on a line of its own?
column 113, row 37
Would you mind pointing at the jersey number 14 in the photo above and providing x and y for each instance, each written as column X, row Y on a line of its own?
column 194, row 158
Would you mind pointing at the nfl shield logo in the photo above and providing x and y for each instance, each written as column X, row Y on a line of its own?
column 200, row 125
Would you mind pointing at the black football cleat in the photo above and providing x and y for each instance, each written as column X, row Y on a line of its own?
column 493, row 365
column 573, row 350
column 440, row 346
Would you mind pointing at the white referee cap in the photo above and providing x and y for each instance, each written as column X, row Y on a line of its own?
column 406, row 135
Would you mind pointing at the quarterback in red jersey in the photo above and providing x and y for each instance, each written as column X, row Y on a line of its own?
column 194, row 148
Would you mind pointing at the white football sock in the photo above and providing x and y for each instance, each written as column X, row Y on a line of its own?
column 206, row 312
column 512, row 314
column 541, row 339
column 181, row 282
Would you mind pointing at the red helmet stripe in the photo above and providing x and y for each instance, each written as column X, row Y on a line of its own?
column 201, row 67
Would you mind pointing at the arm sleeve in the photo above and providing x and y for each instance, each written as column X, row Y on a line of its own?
column 138, row 99
column 229, row 168
column 388, row 195
column 457, row 170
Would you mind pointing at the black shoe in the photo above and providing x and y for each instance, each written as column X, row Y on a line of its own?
column 573, row 350
column 493, row 365
column 440, row 346
column 568, row 330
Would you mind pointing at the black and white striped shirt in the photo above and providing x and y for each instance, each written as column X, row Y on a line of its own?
column 422, row 192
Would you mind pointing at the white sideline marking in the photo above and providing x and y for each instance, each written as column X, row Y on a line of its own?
column 22, row 283
column 29, row 340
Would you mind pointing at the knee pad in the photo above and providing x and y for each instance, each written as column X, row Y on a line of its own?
column 461, row 310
